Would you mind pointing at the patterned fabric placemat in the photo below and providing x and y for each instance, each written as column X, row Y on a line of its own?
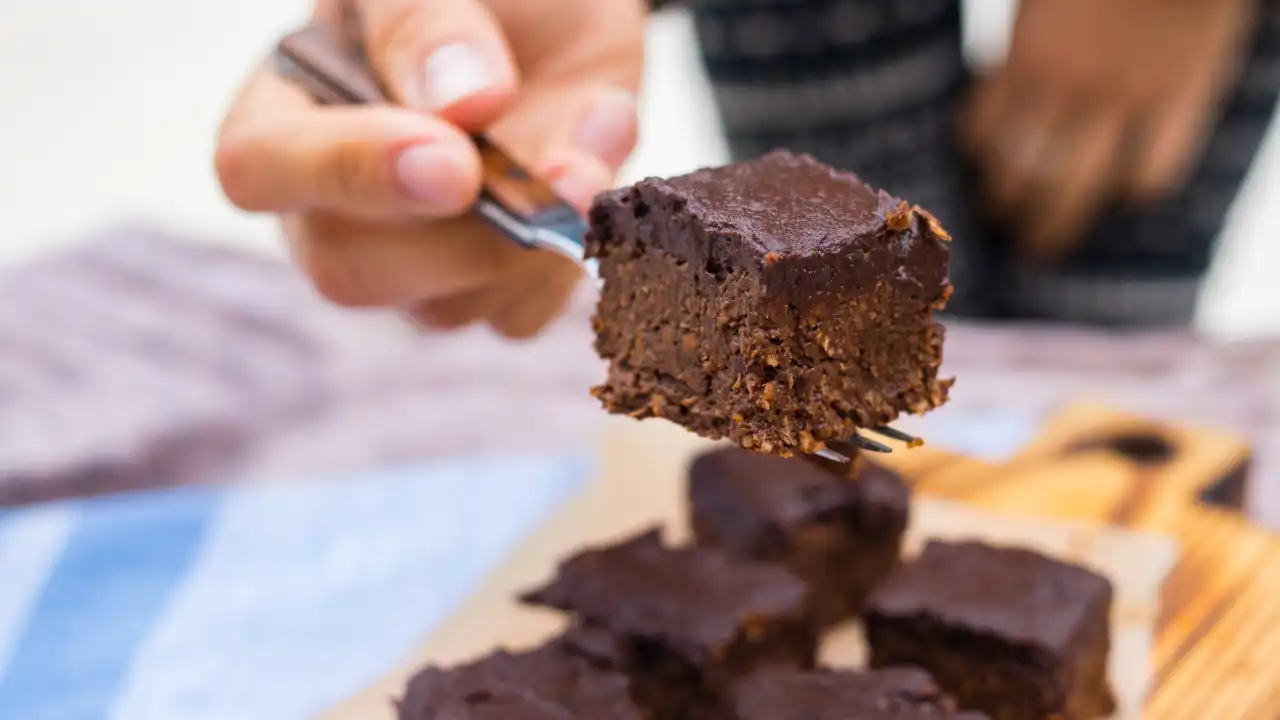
column 250, row 603
column 273, row 601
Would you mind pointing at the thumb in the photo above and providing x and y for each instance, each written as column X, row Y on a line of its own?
column 578, row 138
column 606, row 126
column 447, row 57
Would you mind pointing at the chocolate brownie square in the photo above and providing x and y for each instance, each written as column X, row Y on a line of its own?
column 550, row 682
column 682, row 622
column 902, row 693
column 841, row 534
column 779, row 303
column 1005, row 630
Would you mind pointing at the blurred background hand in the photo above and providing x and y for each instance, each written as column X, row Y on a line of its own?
column 373, row 200
column 1099, row 101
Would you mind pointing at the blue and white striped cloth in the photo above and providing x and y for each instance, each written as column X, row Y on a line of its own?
column 267, row 602
column 272, row 602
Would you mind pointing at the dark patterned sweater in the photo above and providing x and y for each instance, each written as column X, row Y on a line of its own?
column 873, row 85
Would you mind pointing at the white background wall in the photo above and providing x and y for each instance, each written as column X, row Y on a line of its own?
column 108, row 111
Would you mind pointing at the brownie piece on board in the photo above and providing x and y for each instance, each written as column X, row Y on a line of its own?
column 1007, row 631
column 682, row 622
column 547, row 682
column 778, row 302
column 902, row 693
column 505, row 707
column 841, row 534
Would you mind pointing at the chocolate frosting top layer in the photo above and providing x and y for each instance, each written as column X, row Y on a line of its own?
column 695, row 600
column 1013, row 593
column 805, row 229
column 903, row 693
column 785, row 203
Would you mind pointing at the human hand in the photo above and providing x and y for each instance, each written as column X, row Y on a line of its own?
column 1100, row 101
column 373, row 199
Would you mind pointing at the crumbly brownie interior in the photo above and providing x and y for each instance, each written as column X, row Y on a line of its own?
column 669, row 685
column 778, row 303
column 842, row 535
column 1006, row 631
column 1002, row 682
column 663, row 683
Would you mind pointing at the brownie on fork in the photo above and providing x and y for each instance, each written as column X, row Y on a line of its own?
column 779, row 303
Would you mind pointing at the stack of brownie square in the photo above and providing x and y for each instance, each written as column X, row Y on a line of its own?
column 727, row 628
column 783, row 305
column 673, row 633
column 1005, row 631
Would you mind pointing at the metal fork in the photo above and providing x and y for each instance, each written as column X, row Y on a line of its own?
column 334, row 70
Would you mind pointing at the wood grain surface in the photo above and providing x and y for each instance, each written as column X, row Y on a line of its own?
column 1210, row 637
column 1217, row 651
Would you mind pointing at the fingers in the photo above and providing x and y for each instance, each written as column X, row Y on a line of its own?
column 457, row 311
column 523, row 300
column 1065, row 209
column 1030, row 157
column 359, row 264
column 455, row 271
column 1175, row 127
column 528, row 297
column 276, row 153
column 518, row 306
column 1050, row 161
column 574, row 137
column 582, row 135
column 578, row 174
column 604, row 126
column 552, row 279
column 579, row 97
column 350, row 182
column 1170, row 142
column 447, row 57
column 980, row 123
column 1024, row 149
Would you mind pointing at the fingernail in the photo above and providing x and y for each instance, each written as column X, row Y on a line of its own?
column 429, row 173
column 608, row 129
column 454, row 72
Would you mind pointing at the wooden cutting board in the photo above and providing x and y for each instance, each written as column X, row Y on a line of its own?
column 1203, row 644
column 1217, row 648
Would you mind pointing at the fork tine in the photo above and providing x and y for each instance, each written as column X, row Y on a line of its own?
column 910, row 440
column 843, row 450
column 863, row 443
column 828, row 454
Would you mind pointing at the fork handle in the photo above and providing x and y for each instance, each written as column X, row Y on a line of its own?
column 335, row 71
